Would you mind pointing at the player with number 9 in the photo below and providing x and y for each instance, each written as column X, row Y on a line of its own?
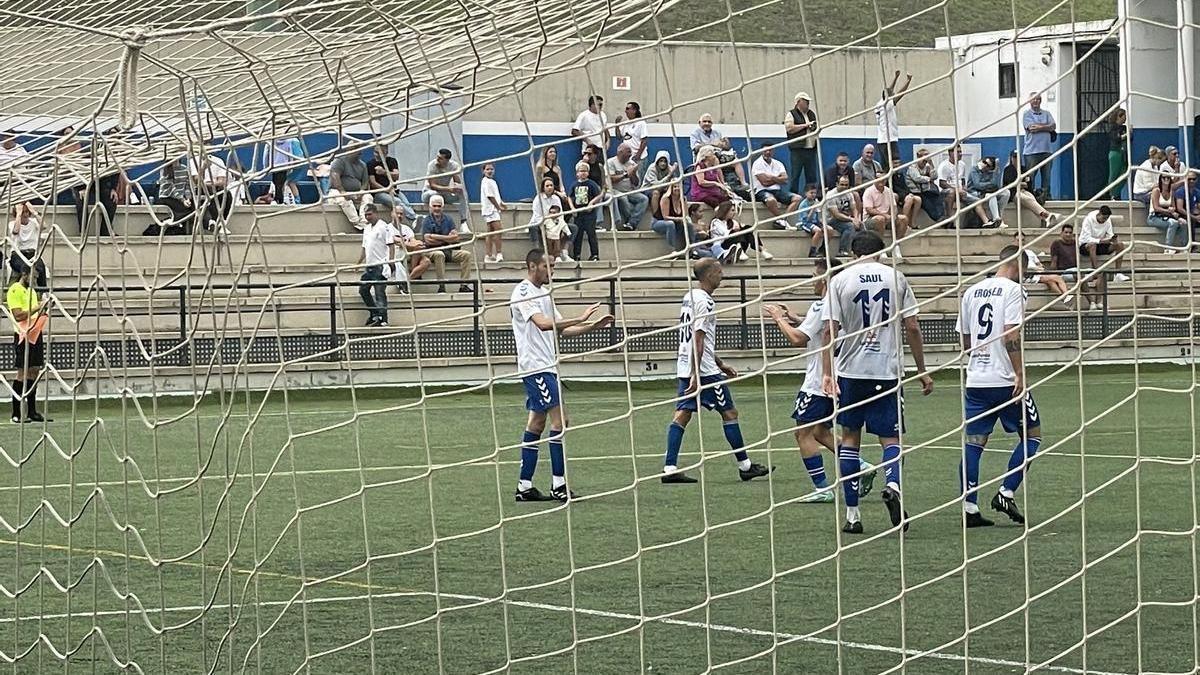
column 989, row 321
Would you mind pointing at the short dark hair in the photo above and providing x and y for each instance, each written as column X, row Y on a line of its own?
column 824, row 265
column 866, row 242
column 1105, row 211
column 810, row 186
column 594, row 99
column 694, row 207
column 534, row 257
column 1009, row 252
column 1067, row 226
column 765, row 144
column 369, row 207
column 445, row 152
column 843, row 154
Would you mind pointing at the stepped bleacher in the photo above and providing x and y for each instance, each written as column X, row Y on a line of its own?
column 282, row 285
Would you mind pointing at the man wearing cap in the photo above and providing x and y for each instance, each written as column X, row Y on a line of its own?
column 800, row 125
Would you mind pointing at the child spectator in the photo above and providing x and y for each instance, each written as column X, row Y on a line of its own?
column 809, row 220
column 557, row 230
column 731, row 240
column 490, row 206
column 585, row 195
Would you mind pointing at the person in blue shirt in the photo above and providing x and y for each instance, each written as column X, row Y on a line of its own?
column 441, row 238
column 1040, row 132
column 808, row 219
column 1187, row 202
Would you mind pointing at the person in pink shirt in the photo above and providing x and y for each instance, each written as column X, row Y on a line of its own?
column 879, row 211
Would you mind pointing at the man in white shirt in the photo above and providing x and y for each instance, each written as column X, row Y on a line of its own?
column 702, row 376
column 535, row 321
column 888, row 133
column 634, row 132
column 378, row 250
column 989, row 322
column 868, row 302
column 592, row 124
column 11, row 152
column 770, row 182
column 814, row 410
column 444, row 178
column 1096, row 238
column 952, row 182
column 24, row 237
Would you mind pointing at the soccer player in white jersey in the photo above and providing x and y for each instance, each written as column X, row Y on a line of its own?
column 990, row 324
column 814, row 410
column 867, row 304
column 702, row 377
column 534, row 322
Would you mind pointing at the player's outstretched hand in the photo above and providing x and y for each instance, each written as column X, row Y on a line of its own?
column 830, row 386
column 603, row 322
column 926, row 385
column 729, row 370
column 592, row 309
column 773, row 311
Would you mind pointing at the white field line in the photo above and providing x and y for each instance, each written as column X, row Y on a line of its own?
column 781, row 636
column 513, row 462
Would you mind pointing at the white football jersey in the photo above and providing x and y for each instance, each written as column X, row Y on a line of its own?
column 814, row 328
column 536, row 352
column 987, row 307
column 868, row 301
column 697, row 313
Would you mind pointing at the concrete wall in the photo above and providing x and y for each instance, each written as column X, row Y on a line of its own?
column 751, row 84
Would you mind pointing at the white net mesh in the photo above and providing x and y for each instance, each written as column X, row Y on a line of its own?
column 241, row 475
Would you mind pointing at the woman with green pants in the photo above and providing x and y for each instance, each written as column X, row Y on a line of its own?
column 1118, row 157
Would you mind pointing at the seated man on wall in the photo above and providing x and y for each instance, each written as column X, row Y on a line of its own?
column 348, row 187
column 771, row 187
column 442, row 243
column 444, row 179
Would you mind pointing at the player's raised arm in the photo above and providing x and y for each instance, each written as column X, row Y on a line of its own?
column 581, row 324
column 781, row 317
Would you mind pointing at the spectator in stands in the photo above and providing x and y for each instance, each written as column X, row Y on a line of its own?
column 594, row 156
column 841, row 167
column 704, row 134
column 591, row 125
column 634, row 133
column 414, row 252
column 1019, row 192
column 1174, row 166
column 348, row 183
column 1064, row 258
column 490, row 208
column 1187, row 203
column 547, row 165
column 383, row 177
column 24, row 237
column 708, row 183
column 673, row 222
column 879, row 212
column 809, row 220
column 800, row 125
column 1163, row 214
column 623, row 176
column 1097, row 238
column 1037, row 274
column 1040, row 134
column 283, row 153
column 11, row 152
column 558, row 233
column 102, row 189
column 1118, row 151
column 920, row 179
column 907, row 202
column 546, row 197
column 66, row 147
column 733, row 241
column 842, row 213
column 175, row 193
column 700, row 233
column 865, row 167
column 661, row 173
column 983, row 186
column 212, row 191
column 585, row 198
column 732, row 170
column 1145, row 177
column 888, row 134
column 378, row 250
column 442, row 240
column 770, row 187
column 952, row 181
column 445, row 179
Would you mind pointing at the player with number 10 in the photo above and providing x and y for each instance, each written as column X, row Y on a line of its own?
column 864, row 362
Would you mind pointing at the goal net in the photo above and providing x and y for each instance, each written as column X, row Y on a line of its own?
column 275, row 357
